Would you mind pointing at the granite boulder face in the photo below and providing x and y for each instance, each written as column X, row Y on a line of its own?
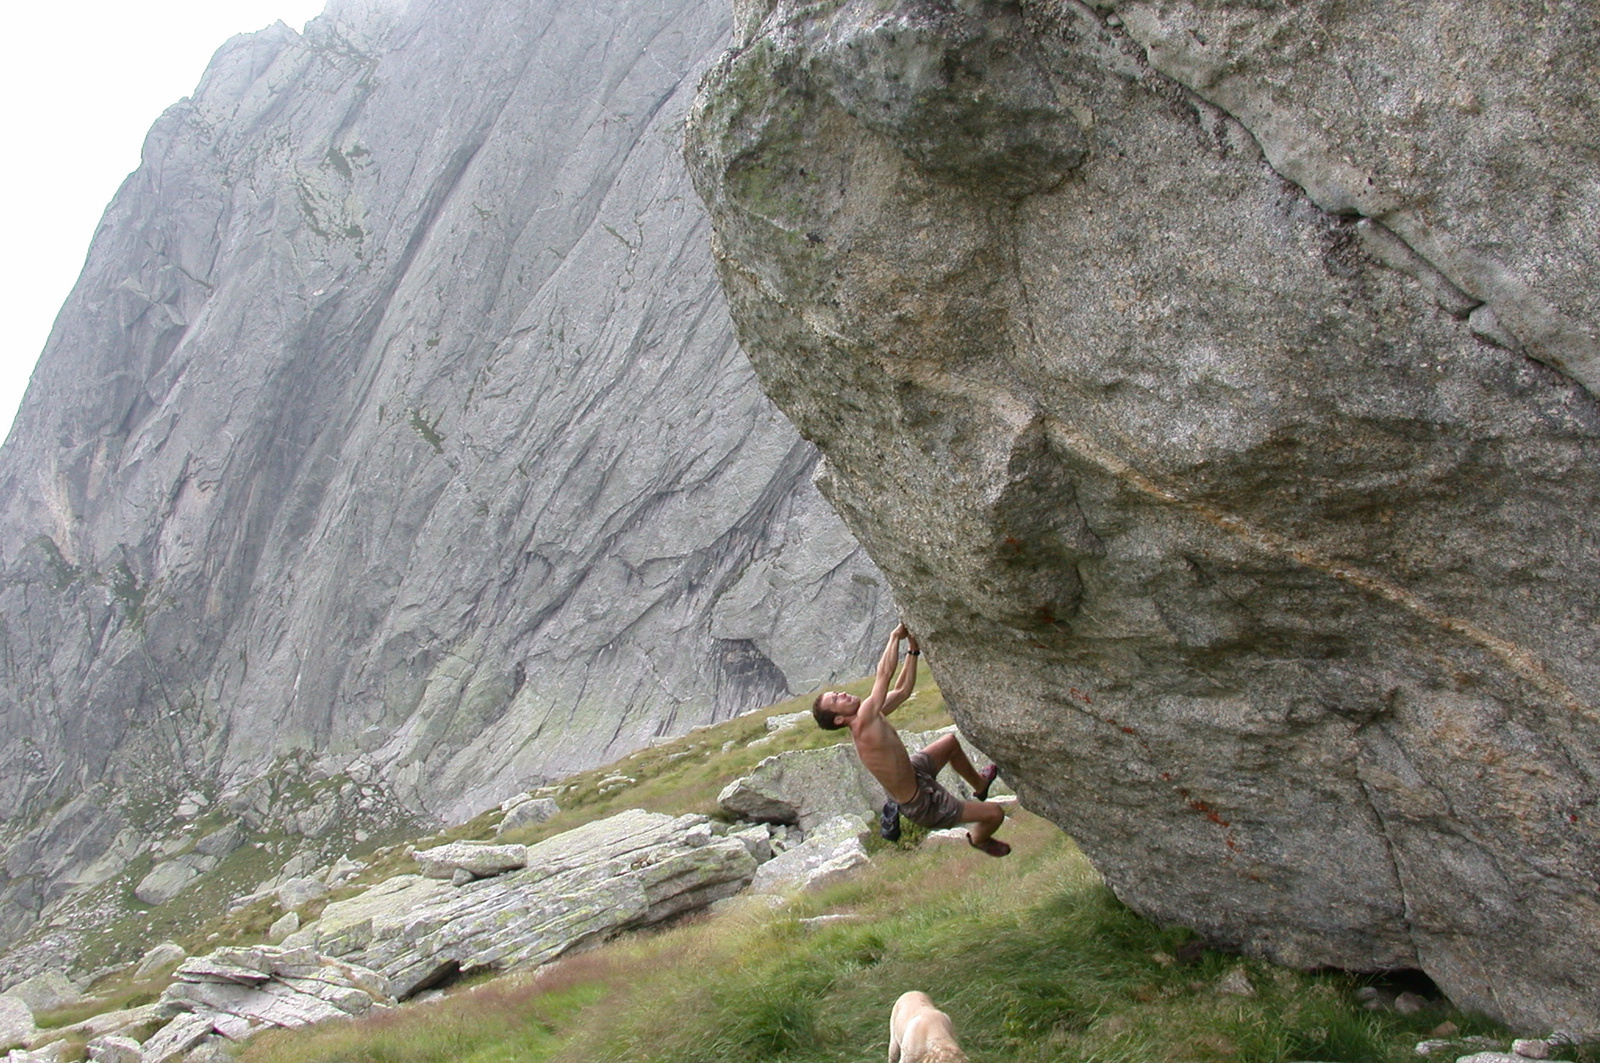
column 1214, row 384
column 397, row 418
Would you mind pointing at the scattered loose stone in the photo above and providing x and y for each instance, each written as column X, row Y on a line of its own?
column 295, row 867
column 1531, row 1048
column 829, row 853
column 343, row 869
column 948, row 834
column 748, row 799
column 114, row 1048
column 1409, row 1003
column 221, row 842
column 757, row 839
column 817, row 922
column 46, row 992
column 285, row 925
column 1236, row 983
column 785, row 721
column 16, row 1020
column 165, row 881
column 1374, row 999
column 175, row 1038
column 297, row 891
column 526, row 813
column 783, row 837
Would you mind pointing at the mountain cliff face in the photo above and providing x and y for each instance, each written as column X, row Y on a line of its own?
column 1215, row 383
column 396, row 436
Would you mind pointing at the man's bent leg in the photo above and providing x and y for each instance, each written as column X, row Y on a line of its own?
column 947, row 750
column 986, row 817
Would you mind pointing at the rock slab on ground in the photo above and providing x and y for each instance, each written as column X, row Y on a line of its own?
column 237, row 992
column 585, row 885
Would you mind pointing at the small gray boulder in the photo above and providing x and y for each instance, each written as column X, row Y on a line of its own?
column 166, row 880
column 165, row 954
column 221, row 842
column 114, row 1048
column 829, row 853
column 16, row 1020
column 297, row 891
column 480, row 859
column 281, row 928
column 526, row 813
column 46, row 992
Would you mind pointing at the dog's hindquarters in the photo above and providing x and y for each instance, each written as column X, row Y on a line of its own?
column 920, row 1033
column 900, row 1016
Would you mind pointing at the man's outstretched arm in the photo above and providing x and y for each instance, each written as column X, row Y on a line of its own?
column 908, row 676
column 886, row 666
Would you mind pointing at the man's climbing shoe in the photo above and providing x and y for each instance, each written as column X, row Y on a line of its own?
column 994, row 846
column 988, row 775
column 889, row 822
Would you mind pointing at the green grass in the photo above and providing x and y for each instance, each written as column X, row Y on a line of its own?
column 511, row 1020
column 1032, row 957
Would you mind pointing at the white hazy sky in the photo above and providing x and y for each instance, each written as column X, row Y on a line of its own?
column 82, row 81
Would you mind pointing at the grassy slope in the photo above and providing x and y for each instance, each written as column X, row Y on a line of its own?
column 1031, row 956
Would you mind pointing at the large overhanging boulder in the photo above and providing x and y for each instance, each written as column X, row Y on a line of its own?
column 1213, row 384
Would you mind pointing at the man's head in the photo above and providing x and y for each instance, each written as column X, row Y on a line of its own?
column 833, row 709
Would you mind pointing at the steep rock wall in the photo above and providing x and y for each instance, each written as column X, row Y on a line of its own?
column 1213, row 384
column 396, row 421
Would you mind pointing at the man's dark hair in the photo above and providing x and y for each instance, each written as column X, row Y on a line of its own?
column 825, row 720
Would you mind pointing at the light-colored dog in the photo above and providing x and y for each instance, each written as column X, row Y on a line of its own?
column 921, row 1033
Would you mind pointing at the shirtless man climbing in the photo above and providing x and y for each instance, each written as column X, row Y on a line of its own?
column 911, row 779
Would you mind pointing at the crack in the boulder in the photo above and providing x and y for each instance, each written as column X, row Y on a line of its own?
column 1342, row 189
column 1389, row 849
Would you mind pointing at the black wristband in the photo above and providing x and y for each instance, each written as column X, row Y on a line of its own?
column 913, row 653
